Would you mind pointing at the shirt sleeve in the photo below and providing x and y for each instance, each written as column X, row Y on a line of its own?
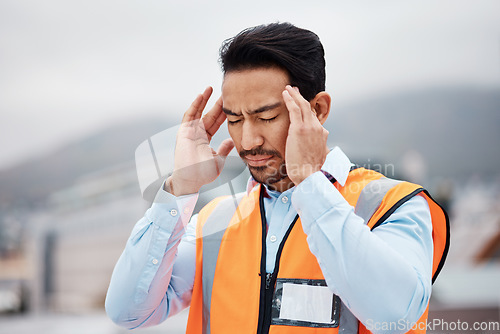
column 154, row 276
column 383, row 275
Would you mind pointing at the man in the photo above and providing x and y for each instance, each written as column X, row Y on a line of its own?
column 314, row 245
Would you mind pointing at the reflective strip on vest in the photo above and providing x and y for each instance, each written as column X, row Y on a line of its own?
column 371, row 197
column 348, row 323
column 213, row 231
column 368, row 202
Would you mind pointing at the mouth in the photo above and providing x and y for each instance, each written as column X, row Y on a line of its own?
column 257, row 160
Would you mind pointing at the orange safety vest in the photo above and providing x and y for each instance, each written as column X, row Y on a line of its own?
column 233, row 294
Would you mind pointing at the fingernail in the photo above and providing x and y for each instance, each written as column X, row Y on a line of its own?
column 296, row 89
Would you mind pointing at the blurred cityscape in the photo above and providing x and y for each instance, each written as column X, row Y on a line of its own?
column 65, row 217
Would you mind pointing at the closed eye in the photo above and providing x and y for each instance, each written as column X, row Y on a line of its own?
column 233, row 122
column 267, row 120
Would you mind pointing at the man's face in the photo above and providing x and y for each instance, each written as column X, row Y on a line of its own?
column 258, row 122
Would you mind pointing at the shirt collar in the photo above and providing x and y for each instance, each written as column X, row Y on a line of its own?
column 251, row 184
column 337, row 164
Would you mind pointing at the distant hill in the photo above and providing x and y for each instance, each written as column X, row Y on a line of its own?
column 27, row 184
column 457, row 132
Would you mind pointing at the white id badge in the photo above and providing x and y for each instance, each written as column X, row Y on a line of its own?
column 307, row 303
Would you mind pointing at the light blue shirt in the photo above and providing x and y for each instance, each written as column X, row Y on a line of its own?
column 381, row 276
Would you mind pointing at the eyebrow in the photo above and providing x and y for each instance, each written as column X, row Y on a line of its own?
column 256, row 111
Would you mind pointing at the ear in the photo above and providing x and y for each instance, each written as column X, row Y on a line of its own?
column 320, row 104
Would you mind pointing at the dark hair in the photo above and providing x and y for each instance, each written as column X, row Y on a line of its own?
column 297, row 51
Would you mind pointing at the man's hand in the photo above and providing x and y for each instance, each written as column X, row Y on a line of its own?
column 306, row 145
column 196, row 163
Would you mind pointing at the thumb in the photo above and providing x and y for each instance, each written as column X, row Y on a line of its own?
column 224, row 148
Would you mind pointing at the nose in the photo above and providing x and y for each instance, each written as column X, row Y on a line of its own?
column 251, row 136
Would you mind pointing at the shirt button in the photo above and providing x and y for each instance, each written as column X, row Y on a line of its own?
column 173, row 212
column 155, row 261
column 284, row 199
column 272, row 238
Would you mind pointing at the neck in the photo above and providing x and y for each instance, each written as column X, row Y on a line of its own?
column 282, row 185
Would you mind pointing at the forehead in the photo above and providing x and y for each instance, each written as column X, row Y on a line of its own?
column 252, row 88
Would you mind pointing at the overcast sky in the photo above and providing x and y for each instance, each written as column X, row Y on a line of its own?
column 68, row 68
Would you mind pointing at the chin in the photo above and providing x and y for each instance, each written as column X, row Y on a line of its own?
column 270, row 179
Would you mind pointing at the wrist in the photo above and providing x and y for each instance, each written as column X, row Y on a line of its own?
column 179, row 188
column 304, row 173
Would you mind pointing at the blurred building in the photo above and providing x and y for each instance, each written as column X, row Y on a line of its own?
column 468, row 287
column 75, row 243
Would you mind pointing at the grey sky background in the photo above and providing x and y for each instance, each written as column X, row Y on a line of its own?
column 68, row 68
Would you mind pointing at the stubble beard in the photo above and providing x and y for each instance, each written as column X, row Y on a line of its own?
column 272, row 173
column 269, row 175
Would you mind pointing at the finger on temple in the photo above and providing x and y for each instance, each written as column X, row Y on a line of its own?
column 304, row 105
column 293, row 108
column 215, row 117
column 214, row 127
